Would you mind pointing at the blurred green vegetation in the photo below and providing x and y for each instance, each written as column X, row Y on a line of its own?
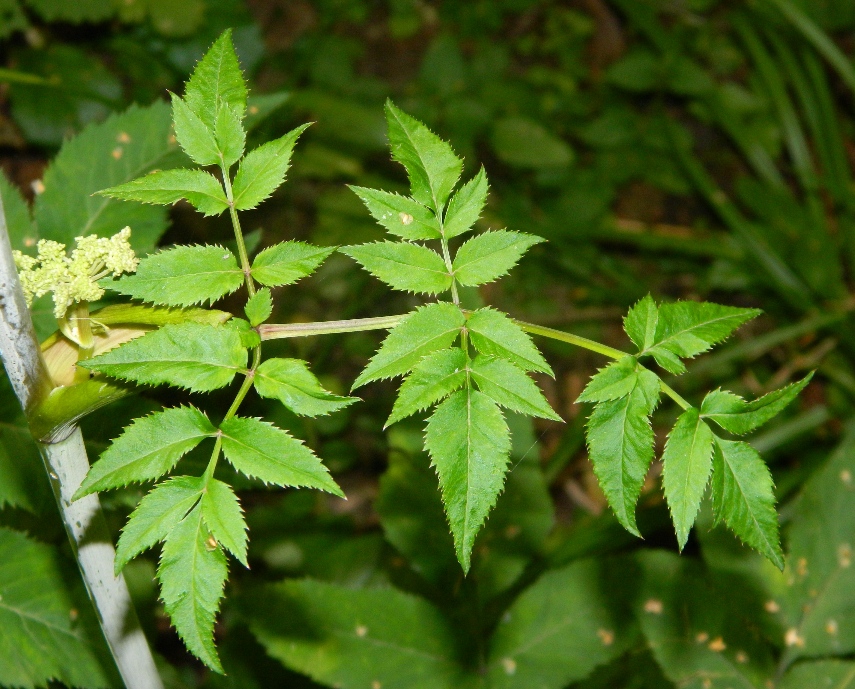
column 697, row 149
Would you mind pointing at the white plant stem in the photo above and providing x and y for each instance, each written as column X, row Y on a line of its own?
column 67, row 464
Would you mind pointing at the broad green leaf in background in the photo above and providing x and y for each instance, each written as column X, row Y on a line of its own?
column 611, row 382
column 494, row 334
column 292, row 383
column 259, row 307
column 425, row 330
column 287, row 262
column 688, row 328
column 188, row 355
column 217, row 79
column 194, row 136
column 687, row 464
column 150, row 447
column 697, row 632
column 567, row 623
column 737, row 416
column 490, row 255
column 640, row 323
column 465, row 206
column 76, row 12
column 166, row 187
column 744, row 499
column 433, row 379
column 817, row 606
column 22, row 231
column 183, row 276
column 834, row 674
column 402, row 216
column 410, row 508
column 230, row 135
column 620, row 445
column 107, row 154
column 468, row 441
column 509, row 387
column 192, row 573
column 522, row 142
column 354, row 638
column 156, row 515
column 223, row 516
column 404, row 266
column 39, row 642
column 263, row 170
column 431, row 165
column 261, row 450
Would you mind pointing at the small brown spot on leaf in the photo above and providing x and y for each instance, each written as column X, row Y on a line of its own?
column 253, row 109
column 406, row 218
column 117, row 152
column 653, row 606
column 606, row 636
column 846, row 476
column 702, row 637
column 37, row 186
column 717, row 645
column 510, row 665
column 844, row 555
column 802, row 567
column 772, row 607
column 792, row 638
column 361, row 630
column 741, row 657
column 123, row 138
column 831, row 627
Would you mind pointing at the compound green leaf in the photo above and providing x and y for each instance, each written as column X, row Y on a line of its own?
column 404, row 266
column 292, row 383
column 165, row 187
column 287, row 262
column 192, row 573
column 687, row 464
column 217, row 79
column 230, row 135
column 400, row 215
column 469, row 443
column 431, row 165
column 425, row 330
column 193, row 135
column 494, row 334
column 182, row 276
column 156, row 515
column 611, row 382
column 735, row 415
column 223, row 516
column 465, row 206
column 261, row 450
column 688, row 328
column 187, row 355
column 510, row 387
column 259, row 307
column 433, row 378
column 39, row 643
column 561, row 628
column 640, row 323
column 355, row 638
column 620, row 445
column 490, row 255
column 150, row 447
column 263, row 170
column 744, row 499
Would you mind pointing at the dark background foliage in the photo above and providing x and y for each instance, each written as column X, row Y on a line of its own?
column 692, row 149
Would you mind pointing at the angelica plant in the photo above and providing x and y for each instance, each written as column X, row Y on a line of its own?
column 468, row 367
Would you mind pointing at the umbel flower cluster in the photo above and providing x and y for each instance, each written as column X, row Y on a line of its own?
column 75, row 278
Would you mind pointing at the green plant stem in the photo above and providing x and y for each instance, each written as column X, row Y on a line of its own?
column 277, row 331
column 256, row 351
column 241, row 245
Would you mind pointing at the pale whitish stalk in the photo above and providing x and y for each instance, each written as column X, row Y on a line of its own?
column 278, row 331
column 67, row 465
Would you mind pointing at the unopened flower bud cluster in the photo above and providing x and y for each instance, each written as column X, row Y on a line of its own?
column 75, row 278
